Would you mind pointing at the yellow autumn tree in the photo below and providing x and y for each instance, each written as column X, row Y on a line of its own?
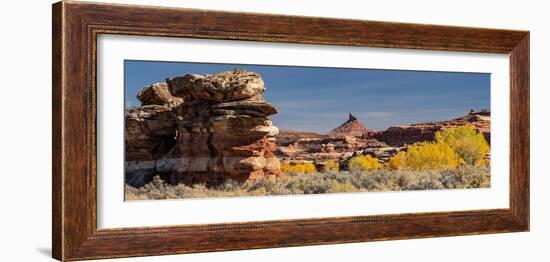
column 364, row 163
column 299, row 168
column 430, row 155
column 451, row 147
column 397, row 161
column 469, row 144
column 309, row 168
column 306, row 168
column 331, row 165
column 286, row 167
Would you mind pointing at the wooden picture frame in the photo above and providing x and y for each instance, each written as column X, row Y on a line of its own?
column 76, row 26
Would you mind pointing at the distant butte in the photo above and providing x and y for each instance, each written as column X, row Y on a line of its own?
column 352, row 127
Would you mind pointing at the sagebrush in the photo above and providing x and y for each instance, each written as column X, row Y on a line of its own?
column 326, row 182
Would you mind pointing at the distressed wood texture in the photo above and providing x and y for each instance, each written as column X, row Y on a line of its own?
column 75, row 29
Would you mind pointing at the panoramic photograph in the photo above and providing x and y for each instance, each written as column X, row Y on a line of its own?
column 205, row 130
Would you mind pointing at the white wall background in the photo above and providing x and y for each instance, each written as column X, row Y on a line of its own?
column 25, row 132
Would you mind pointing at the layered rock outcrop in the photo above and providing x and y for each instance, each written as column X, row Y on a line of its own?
column 410, row 134
column 220, row 129
column 150, row 132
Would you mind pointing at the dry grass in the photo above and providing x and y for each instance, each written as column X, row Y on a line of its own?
column 319, row 183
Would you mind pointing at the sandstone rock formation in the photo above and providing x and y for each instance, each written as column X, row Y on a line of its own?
column 150, row 133
column 158, row 94
column 410, row 134
column 351, row 127
column 222, row 87
column 219, row 130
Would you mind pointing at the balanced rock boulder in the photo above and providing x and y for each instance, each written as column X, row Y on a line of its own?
column 221, row 87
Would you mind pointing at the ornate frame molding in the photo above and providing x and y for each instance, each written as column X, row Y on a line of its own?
column 76, row 26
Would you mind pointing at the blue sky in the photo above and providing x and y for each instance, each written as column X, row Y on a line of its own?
column 319, row 98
